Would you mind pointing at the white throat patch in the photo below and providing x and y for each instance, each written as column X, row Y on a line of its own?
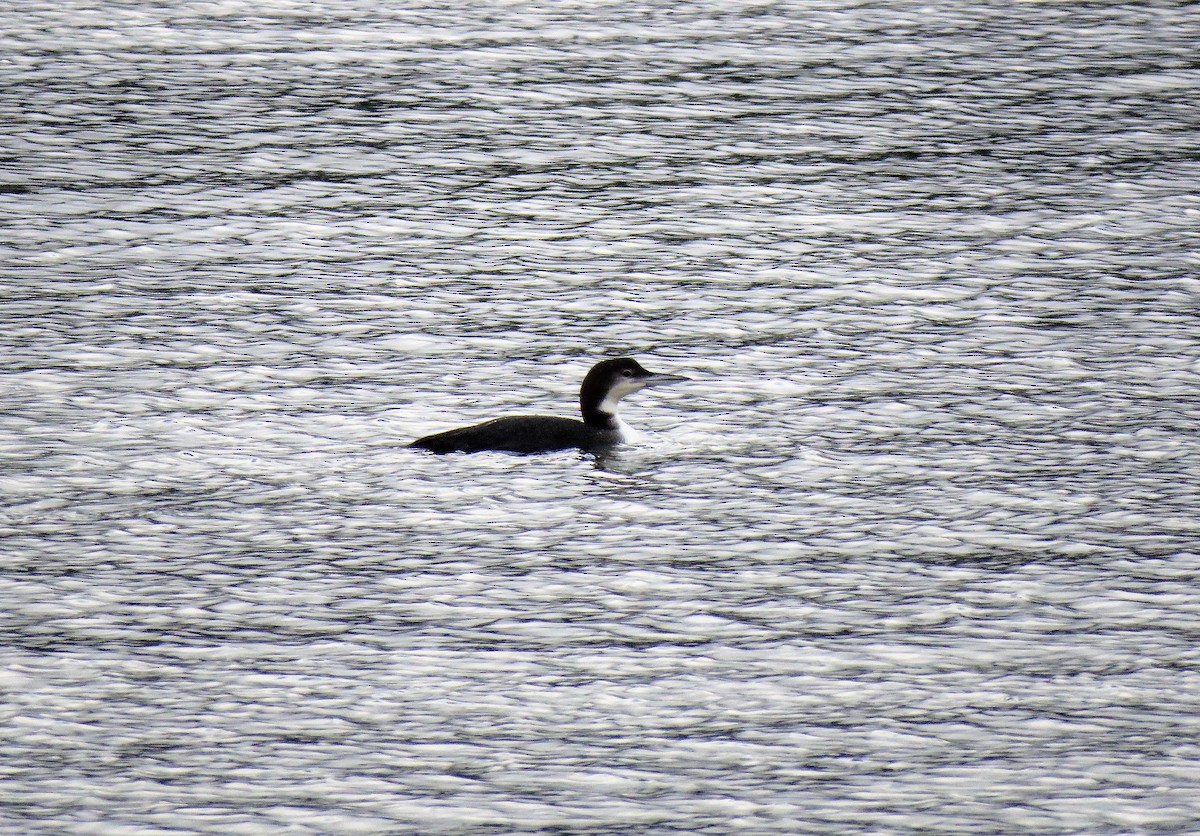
column 620, row 389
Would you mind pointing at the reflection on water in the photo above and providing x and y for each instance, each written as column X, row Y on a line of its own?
column 914, row 551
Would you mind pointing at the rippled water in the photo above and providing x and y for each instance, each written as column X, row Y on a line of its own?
column 915, row 551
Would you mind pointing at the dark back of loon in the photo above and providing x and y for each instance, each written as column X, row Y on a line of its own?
column 602, row 389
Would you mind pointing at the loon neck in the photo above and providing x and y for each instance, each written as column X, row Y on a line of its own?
column 600, row 418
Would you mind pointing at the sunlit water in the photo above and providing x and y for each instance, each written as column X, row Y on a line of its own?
column 916, row 550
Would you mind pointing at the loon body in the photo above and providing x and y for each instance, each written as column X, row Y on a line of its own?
column 605, row 385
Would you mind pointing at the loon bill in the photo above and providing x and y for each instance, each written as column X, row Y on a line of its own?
column 602, row 389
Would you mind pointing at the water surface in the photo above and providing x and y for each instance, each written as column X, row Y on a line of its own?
column 915, row 551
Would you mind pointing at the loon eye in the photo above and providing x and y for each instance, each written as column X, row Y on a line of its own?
column 627, row 373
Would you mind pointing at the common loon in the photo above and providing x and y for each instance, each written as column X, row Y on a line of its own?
column 605, row 385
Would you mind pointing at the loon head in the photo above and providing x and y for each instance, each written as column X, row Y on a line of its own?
column 611, row 380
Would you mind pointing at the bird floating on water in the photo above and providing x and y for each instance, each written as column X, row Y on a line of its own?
column 602, row 389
